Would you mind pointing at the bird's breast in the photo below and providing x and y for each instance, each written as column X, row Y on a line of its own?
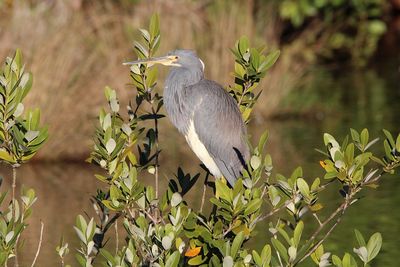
column 200, row 150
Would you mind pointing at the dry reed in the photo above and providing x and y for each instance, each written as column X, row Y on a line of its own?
column 75, row 48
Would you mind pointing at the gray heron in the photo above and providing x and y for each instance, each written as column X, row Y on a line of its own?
column 204, row 113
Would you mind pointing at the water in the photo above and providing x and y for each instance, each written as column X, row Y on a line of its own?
column 343, row 99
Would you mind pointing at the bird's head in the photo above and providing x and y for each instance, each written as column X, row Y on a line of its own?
column 177, row 58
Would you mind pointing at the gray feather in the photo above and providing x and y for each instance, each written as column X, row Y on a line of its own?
column 216, row 117
column 219, row 125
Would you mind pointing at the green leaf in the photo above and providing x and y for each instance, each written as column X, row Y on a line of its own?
column 154, row 25
column 263, row 141
column 196, row 260
column 374, row 246
column 297, row 233
column 360, row 238
column 364, row 137
column 354, row 135
column 115, row 193
column 256, row 258
column 266, row 254
column 107, row 255
column 236, row 244
column 239, row 69
column 329, row 139
column 223, row 190
column 389, row 137
column 253, row 206
column 349, row 261
column 349, row 154
column 336, row 261
column 303, row 187
column 81, row 260
column 81, row 223
column 243, row 45
column 280, row 248
column 270, row 60
column 173, row 260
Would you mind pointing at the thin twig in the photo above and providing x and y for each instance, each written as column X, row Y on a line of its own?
column 317, row 218
column 39, row 245
column 204, row 193
column 150, row 217
column 228, row 230
column 116, row 237
column 246, row 87
column 274, row 211
column 324, row 186
column 203, row 198
column 315, row 247
column 13, row 201
column 338, row 212
column 157, row 149
column 14, row 184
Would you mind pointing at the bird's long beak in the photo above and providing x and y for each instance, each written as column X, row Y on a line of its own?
column 166, row 61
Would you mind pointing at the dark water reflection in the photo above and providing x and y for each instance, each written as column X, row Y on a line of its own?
column 369, row 99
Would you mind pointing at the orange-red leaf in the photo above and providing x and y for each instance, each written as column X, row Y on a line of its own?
column 193, row 252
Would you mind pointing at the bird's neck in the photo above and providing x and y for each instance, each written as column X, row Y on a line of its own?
column 181, row 77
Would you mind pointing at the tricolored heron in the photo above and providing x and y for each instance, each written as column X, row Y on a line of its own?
column 204, row 113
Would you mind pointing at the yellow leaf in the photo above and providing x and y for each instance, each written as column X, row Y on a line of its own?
column 316, row 207
column 374, row 186
column 4, row 155
column 242, row 228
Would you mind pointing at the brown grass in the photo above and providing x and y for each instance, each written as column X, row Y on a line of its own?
column 76, row 49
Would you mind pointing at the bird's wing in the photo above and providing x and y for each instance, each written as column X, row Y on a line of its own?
column 219, row 126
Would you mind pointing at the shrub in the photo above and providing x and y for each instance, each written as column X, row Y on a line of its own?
column 162, row 230
column 21, row 136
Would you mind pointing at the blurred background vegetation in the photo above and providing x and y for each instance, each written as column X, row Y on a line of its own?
column 76, row 47
column 339, row 68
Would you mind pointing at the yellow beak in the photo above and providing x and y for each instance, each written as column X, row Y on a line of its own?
column 166, row 61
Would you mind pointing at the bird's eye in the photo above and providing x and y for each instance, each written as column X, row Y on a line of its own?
column 176, row 57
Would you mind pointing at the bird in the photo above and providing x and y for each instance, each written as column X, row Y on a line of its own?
column 205, row 113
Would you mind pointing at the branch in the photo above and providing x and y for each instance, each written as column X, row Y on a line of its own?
column 317, row 218
column 274, row 211
column 228, row 230
column 338, row 212
column 13, row 201
column 39, row 245
column 315, row 247
column 116, row 237
column 157, row 150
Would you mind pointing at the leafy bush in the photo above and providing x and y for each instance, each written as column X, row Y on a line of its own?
column 21, row 136
column 162, row 230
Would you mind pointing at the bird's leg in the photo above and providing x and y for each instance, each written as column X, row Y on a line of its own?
column 204, row 192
